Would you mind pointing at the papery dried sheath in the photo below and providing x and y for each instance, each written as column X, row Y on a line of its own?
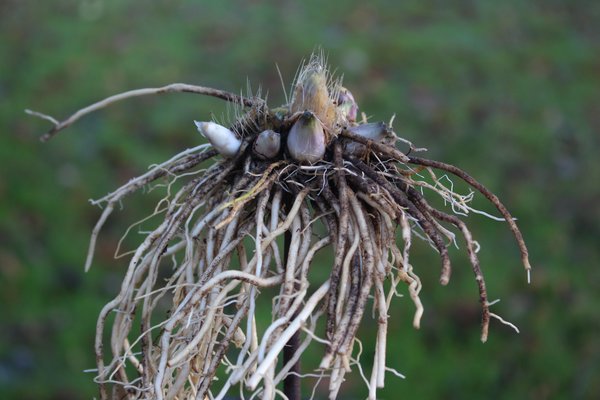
column 306, row 140
column 312, row 93
column 221, row 138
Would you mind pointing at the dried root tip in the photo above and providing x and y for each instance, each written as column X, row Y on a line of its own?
column 306, row 140
column 267, row 145
column 347, row 105
column 445, row 276
column 221, row 138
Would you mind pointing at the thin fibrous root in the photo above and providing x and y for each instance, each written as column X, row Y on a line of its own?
column 171, row 88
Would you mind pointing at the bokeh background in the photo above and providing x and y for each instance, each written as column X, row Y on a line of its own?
column 509, row 91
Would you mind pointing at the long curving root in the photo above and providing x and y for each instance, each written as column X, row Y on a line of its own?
column 220, row 245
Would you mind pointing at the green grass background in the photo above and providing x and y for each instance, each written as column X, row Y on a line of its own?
column 509, row 91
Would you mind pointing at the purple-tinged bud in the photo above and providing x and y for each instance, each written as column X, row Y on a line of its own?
column 347, row 105
column 306, row 139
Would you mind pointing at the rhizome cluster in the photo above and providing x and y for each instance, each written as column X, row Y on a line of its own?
column 283, row 184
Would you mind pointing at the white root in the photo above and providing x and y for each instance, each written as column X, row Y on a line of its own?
column 294, row 326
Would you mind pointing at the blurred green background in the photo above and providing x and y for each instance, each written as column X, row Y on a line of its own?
column 509, row 91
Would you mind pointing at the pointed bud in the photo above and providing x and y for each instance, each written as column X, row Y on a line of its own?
column 267, row 145
column 373, row 130
column 306, row 140
column 221, row 138
column 377, row 131
column 347, row 105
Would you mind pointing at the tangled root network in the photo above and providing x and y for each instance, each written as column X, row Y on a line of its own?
column 255, row 207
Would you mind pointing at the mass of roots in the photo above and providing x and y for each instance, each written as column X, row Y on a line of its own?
column 185, row 324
